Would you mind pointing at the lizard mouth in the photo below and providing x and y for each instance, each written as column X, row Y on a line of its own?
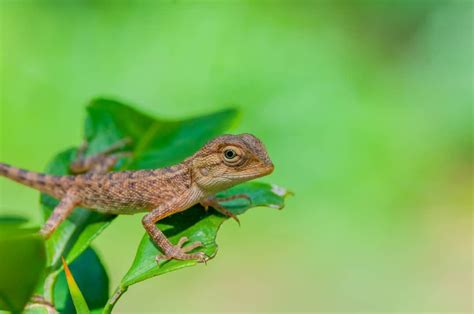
column 249, row 175
column 265, row 170
column 267, row 166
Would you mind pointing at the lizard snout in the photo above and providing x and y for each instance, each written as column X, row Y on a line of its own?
column 269, row 167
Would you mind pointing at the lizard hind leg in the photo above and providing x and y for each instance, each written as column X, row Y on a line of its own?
column 60, row 213
column 101, row 162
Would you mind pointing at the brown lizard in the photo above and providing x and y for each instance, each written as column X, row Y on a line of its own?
column 220, row 164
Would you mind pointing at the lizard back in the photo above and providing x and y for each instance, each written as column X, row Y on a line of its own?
column 128, row 192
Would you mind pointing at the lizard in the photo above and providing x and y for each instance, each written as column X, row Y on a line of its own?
column 220, row 164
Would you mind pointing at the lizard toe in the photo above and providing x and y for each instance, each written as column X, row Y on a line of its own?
column 202, row 257
column 182, row 253
column 191, row 247
column 161, row 258
column 182, row 241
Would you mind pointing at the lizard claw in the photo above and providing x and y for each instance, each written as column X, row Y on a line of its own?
column 181, row 253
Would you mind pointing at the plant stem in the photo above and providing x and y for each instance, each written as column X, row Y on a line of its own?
column 49, row 283
column 113, row 300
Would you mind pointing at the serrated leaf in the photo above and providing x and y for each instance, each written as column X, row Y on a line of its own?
column 80, row 303
column 198, row 225
column 22, row 262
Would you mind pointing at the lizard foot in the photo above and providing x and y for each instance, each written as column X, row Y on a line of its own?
column 179, row 252
column 214, row 202
column 101, row 162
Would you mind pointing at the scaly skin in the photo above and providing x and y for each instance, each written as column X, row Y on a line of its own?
column 220, row 164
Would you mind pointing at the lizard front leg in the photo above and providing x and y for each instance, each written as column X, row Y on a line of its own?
column 214, row 202
column 170, row 251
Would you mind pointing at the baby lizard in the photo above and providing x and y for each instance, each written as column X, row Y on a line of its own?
column 220, row 164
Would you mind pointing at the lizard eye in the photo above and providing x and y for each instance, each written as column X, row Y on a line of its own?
column 232, row 156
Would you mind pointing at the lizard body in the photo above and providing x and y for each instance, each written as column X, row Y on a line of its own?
column 121, row 192
column 222, row 163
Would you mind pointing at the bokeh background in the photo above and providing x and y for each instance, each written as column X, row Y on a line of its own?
column 365, row 107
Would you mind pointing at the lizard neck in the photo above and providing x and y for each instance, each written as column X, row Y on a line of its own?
column 183, row 175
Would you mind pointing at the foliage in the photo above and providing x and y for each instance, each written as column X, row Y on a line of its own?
column 91, row 278
column 197, row 225
column 23, row 259
column 155, row 143
column 366, row 107
column 80, row 303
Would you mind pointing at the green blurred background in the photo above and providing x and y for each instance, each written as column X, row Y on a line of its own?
column 365, row 108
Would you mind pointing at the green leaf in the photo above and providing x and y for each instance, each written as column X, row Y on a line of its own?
column 12, row 220
column 198, row 225
column 80, row 303
column 156, row 143
column 22, row 263
column 92, row 280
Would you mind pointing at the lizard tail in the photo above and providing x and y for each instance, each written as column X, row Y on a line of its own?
column 49, row 184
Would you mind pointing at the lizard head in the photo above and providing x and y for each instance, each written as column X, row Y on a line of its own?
column 229, row 160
